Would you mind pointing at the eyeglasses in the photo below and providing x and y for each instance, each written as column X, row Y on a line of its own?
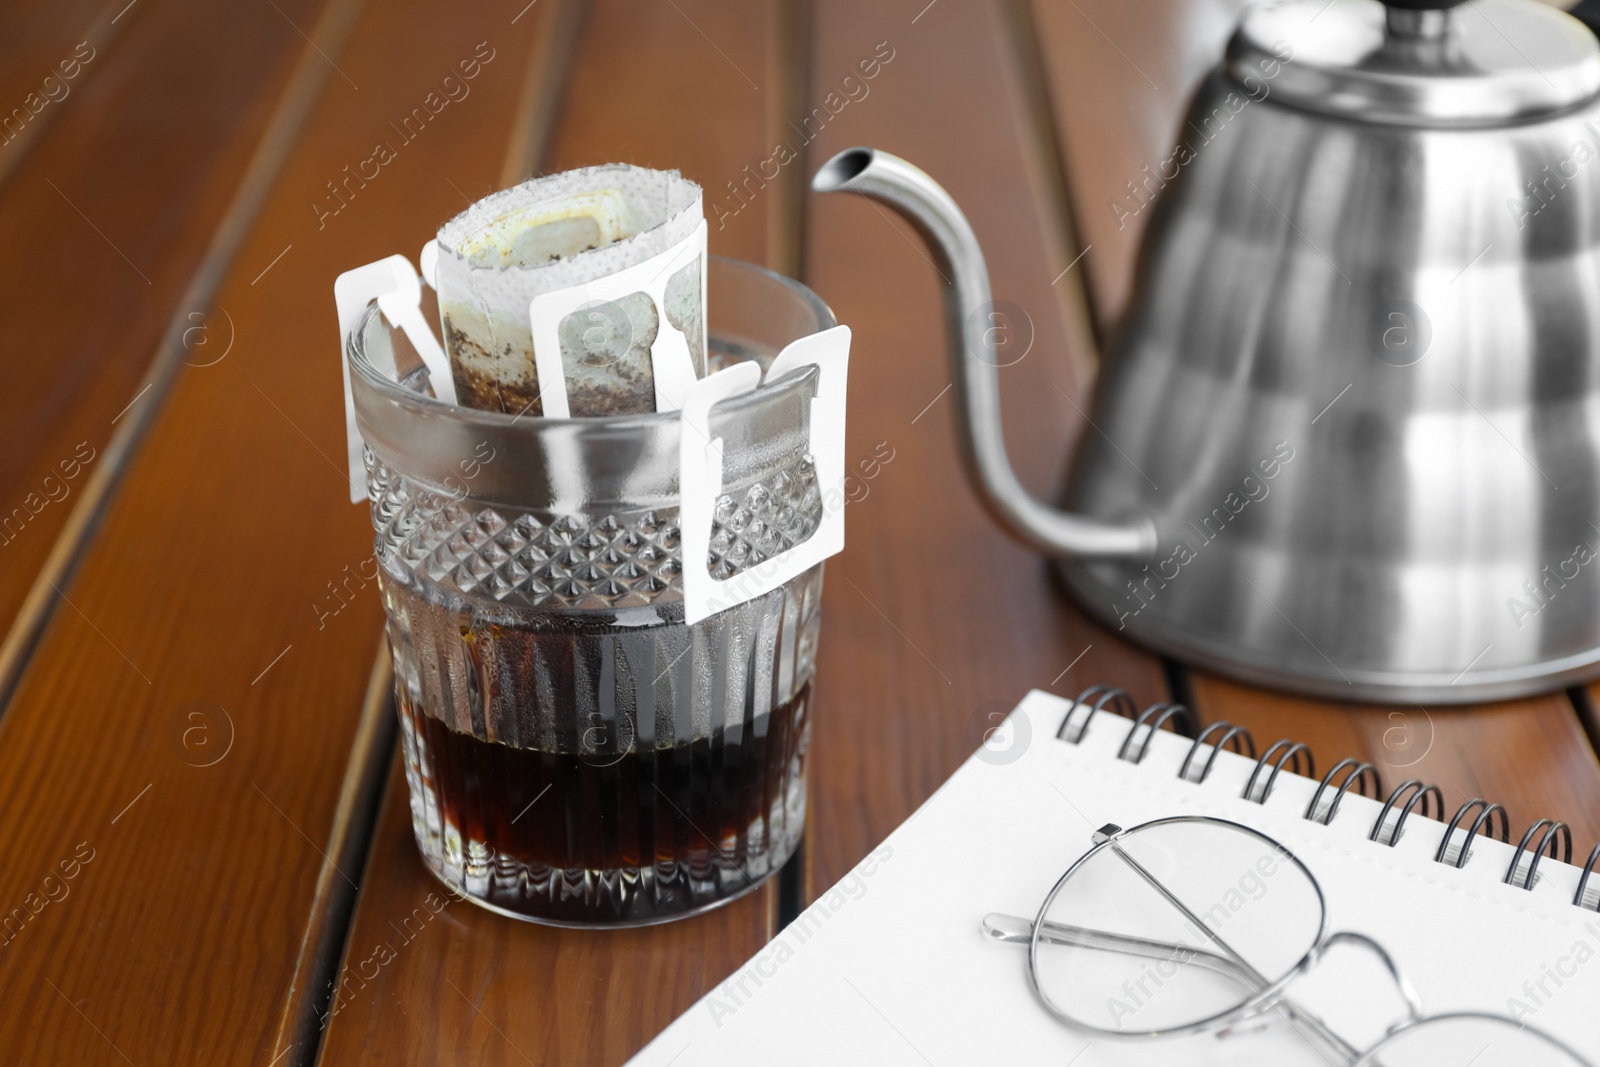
column 1195, row 924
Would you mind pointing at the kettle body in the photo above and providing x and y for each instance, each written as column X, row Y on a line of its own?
column 1358, row 391
column 1347, row 436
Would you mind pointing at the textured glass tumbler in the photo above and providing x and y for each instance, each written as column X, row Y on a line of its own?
column 575, row 753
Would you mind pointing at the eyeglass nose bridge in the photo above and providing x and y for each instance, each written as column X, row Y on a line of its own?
column 1403, row 985
column 1314, row 1028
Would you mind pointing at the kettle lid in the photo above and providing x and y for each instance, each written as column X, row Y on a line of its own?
column 1417, row 62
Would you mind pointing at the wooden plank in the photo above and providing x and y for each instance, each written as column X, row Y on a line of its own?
column 206, row 593
column 48, row 53
column 1530, row 755
column 1117, row 78
column 648, row 86
column 675, row 89
column 788, row 88
column 327, row 924
column 38, row 35
column 548, row 70
column 111, row 247
column 933, row 619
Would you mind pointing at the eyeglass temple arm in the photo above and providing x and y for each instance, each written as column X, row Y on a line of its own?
column 1015, row 930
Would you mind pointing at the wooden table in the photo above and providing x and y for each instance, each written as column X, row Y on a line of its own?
column 192, row 731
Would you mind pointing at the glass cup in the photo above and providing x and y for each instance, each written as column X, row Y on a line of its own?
column 575, row 753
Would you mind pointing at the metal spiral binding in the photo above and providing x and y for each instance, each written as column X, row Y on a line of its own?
column 1162, row 713
column 1292, row 750
column 1360, row 772
column 1233, row 733
column 1583, row 882
column 1420, row 792
column 1485, row 816
column 1121, row 702
column 1555, row 840
column 1551, row 828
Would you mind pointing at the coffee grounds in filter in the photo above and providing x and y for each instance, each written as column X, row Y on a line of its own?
column 550, row 234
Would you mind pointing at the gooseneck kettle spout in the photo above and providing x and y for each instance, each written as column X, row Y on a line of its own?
column 967, row 301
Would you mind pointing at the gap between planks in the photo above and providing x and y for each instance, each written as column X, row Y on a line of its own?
column 282, row 132
column 331, row 919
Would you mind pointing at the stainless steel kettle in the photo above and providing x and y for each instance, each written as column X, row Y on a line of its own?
column 1362, row 361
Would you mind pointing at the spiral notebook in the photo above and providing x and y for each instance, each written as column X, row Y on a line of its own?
column 890, row 966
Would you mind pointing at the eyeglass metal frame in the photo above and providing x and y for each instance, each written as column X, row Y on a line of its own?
column 1268, row 996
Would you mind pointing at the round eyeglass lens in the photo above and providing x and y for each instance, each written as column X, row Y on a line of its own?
column 1172, row 925
column 1481, row 1040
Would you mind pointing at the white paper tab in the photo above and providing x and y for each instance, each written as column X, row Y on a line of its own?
column 672, row 365
column 394, row 285
column 700, row 473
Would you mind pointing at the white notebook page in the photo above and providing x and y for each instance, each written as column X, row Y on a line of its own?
column 890, row 967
